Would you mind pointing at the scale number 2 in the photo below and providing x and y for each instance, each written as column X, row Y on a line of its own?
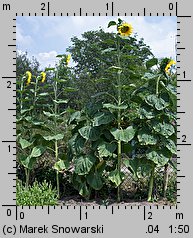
column 8, row 84
column 184, row 138
column 43, row 6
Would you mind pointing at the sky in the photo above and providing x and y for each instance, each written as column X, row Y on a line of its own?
column 46, row 37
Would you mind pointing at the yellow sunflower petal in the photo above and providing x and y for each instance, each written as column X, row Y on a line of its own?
column 43, row 75
column 170, row 63
column 68, row 59
column 29, row 76
column 125, row 29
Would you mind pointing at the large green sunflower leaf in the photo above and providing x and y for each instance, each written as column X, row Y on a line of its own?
column 160, row 158
column 149, row 76
column 156, row 102
column 106, row 149
column 146, row 137
column 151, row 62
column 101, row 118
column 95, row 181
column 164, row 129
column 125, row 135
column 28, row 162
column 115, row 107
column 89, row 133
column 84, row 164
column 55, row 137
column 146, row 112
column 171, row 146
column 161, row 104
column 24, row 143
column 116, row 177
column 139, row 167
column 61, row 165
column 75, row 116
column 37, row 151
column 112, row 23
column 84, row 190
column 76, row 144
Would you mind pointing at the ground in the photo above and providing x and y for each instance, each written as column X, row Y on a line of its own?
column 77, row 201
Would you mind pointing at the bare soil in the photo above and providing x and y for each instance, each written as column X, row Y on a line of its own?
column 79, row 201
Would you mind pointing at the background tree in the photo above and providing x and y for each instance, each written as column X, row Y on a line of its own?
column 95, row 53
column 23, row 64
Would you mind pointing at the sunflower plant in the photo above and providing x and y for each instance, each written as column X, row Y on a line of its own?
column 155, row 141
column 29, row 126
column 100, row 130
column 55, row 116
column 141, row 125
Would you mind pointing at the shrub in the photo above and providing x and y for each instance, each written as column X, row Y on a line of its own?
column 38, row 194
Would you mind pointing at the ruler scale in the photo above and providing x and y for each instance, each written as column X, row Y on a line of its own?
column 96, row 221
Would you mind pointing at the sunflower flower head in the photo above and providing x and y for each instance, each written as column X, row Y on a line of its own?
column 169, row 65
column 125, row 29
column 43, row 77
column 29, row 76
column 68, row 59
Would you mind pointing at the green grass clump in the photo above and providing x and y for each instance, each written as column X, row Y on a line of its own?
column 39, row 194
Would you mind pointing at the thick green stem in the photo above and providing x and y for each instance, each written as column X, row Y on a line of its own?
column 149, row 199
column 21, row 96
column 119, row 169
column 119, row 119
column 119, row 141
column 58, row 184
column 55, row 131
column 157, row 85
column 57, row 175
column 27, row 174
column 35, row 92
column 166, row 176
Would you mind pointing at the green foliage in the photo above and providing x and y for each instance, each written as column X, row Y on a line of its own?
column 117, row 99
column 112, row 23
column 95, row 53
column 84, row 164
column 125, row 135
column 171, row 193
column 95, row 181
column 90, row 147
column 156, row 119
column 151, row 62
column 106, row 149
column 35, row 195
column 102, row 118
column 30, row 160
column 146, row 137
column 89, row 133
column 23, row 64
column 38, row 116
column 116, row 177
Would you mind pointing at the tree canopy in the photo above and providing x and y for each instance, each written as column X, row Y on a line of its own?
column 94, row 54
